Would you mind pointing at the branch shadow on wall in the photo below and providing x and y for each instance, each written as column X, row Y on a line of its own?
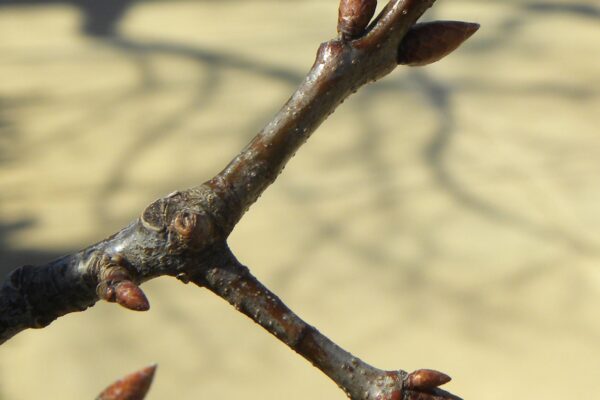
column 99, row 18
column 410, row 279
column 12, row 256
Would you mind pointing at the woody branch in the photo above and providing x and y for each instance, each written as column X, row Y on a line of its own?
column 184, row 234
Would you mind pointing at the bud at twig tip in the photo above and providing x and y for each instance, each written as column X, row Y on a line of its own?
column 426, row 379
column 134, row 386
column 354, row 16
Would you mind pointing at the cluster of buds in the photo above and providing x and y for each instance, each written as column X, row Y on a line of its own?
column 423, row 44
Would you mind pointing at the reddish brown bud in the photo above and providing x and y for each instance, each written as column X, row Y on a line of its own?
column 133, row 387
column 429, row 42
column 354, row 16
column 115, row 284
column 130, row 296
column 423, row 379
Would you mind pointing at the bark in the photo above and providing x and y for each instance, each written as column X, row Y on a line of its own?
column 184, row 234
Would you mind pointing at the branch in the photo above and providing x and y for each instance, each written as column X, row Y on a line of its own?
column 233, row 282
column 341, row 68
column 184, row 234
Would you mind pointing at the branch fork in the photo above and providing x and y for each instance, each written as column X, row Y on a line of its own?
column 184, row 234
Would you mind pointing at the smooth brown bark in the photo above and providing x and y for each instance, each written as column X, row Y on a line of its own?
column 184, row 234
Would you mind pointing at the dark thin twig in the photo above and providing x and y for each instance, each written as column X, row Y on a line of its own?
column 184, row 234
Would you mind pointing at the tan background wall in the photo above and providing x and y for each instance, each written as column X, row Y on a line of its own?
column 447, row 217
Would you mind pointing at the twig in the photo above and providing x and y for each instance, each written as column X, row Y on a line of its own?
column 184, row 234
column 359, row 380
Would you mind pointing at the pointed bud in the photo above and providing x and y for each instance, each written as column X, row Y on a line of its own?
column 133, row 387
column 130, row 296
column 354, row 16
column 426, row 379
column 429, row 42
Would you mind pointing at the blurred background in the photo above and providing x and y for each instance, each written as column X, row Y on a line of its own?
column 446, row 217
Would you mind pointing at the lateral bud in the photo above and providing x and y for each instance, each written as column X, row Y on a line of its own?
column 424, row 379
column 130, row 296
column 428, row 42
column 115, row 284
column 354, row 16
